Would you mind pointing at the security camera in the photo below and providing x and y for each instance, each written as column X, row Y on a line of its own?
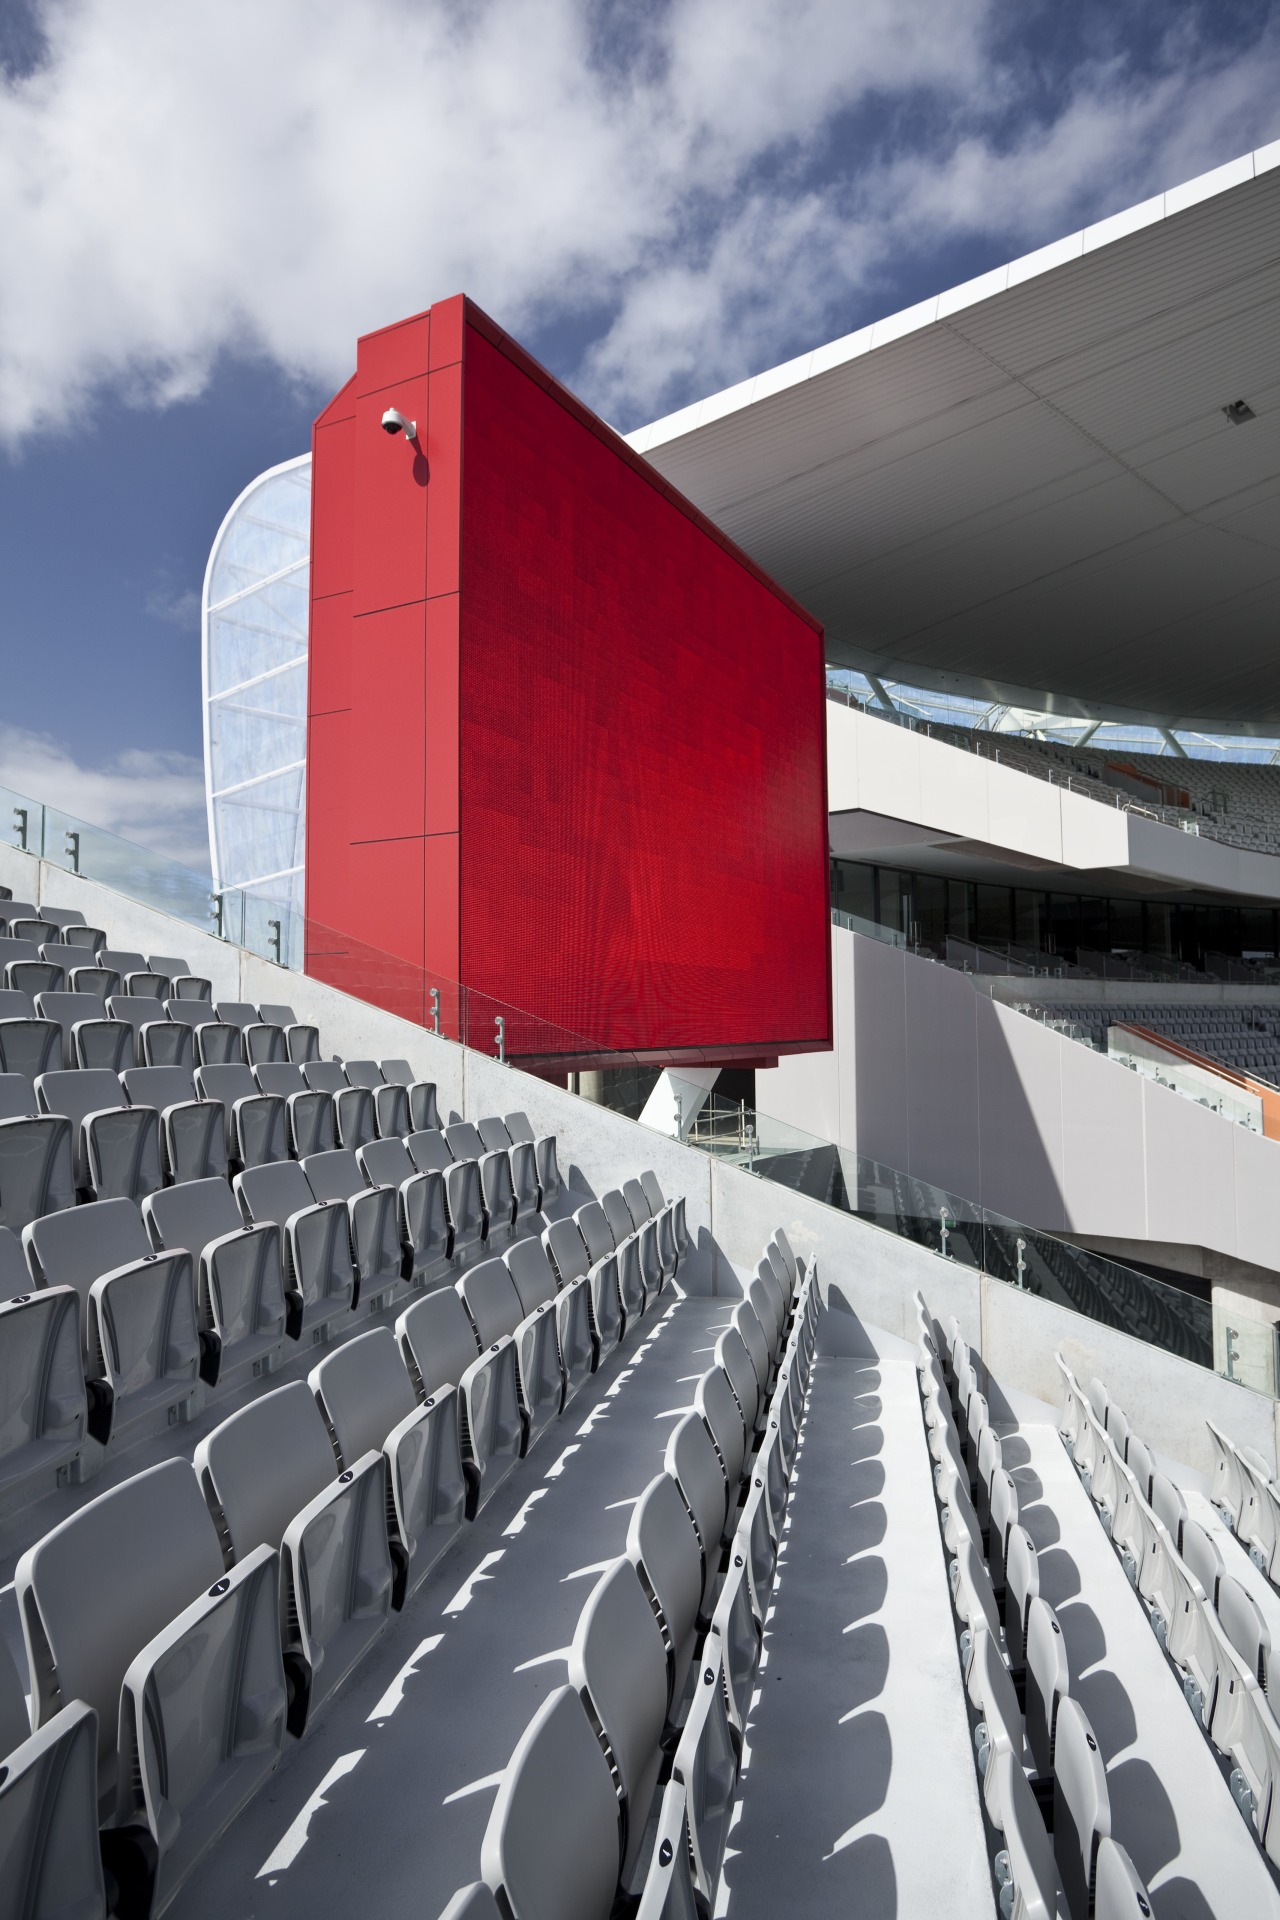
column 393, row 421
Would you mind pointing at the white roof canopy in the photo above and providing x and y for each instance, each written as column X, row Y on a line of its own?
column 1027, row 488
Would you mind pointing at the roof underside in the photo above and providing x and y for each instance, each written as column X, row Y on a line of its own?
column 1034, row 494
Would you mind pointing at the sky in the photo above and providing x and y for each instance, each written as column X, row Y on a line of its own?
column 203, row 206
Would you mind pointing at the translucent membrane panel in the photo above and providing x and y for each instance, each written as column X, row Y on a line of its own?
column 255, row 673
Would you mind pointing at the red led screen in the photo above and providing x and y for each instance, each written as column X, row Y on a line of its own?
column 602, row 791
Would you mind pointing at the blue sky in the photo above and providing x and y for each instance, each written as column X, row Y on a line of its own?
column 203, row 207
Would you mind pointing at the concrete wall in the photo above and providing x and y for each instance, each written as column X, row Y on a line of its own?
column 943, row 1082
column 868, row 1275
column 950, row 794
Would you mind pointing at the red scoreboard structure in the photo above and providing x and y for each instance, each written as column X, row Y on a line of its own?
column 566, row 744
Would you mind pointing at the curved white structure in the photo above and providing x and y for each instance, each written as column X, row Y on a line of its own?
column 253, row 645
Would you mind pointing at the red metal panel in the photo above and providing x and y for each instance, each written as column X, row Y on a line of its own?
column 389, row 501
column 642, row 720
column 387, row 736
column 332, row 644
column 448, row 322
column 328, row 760
column 440, row 952
column 441, row 715
column 399, row 352
column 444, row 491
column 333, row 449
column 385, row 891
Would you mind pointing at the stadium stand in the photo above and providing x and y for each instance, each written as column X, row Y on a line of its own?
column 1243, row 1036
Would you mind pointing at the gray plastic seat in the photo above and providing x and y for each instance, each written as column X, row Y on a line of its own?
column 27, row 1044
column 464, row 1140
column 669, row 1892
column 263, row 1042
column 193, row 1132
column 36, row 1168
column 1202, row 1558
column 731, row 1355
column 239, row 1274
column 390, row 1103
column 564, row 1243
column 302, row 1042
column 423, row 1110
column 737, row 1632
column 190, row 1011
column 43, row 1410
column 664, row 1548
column 37, row 975
column 1048, row 1682
column 466, row 1208
column 309, row 1113
column 192, row 987
column 706, row 1766
column 764, row 1306
column 746, row 1321
column 652, row 1192
column 551, row 1847
column 11, row 910
column 141, row 1341
column 49, row 1818
column 694, row 1465
column 429, row 1150
column 103, row 1042
column 1025, row 1862
column 618, row 1214
column 713, row 1398
column 373, row 1221
column 525, row 1185
column 497, row 1193
column 256, row 1123
column 1119, row 1893
column 549, row 1180
column 157, row 1040
column 126, row 1606
column 270, row 1477
column 493, row 1133
column 1022, row 1586
column 490, row 1297
column 597, row 1235
column 637, row 1202
column 608, row 1321
column 67, row 1009
column 475, row 1902
column 101, row 982
column 529, row 1265
column 1169, row 1506
column 422, row 1214
column 631, row 1284
column 1081, row 1806
column 368, row 1401
column 318, row 1274
column 352, row 1106
column 116, row 1147
column 1245, row 1628
column 218, row 1043
column 123, row 960
column 618, row 1663
column 440, row 1349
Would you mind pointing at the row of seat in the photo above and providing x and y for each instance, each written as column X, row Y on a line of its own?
column 1208, row 1625
column 181, row 1625
column 625, row 1778
column 1054, row 1818
column 46, row 1028
column 111, row 1312
column 33, row 964
column 1248, row 1499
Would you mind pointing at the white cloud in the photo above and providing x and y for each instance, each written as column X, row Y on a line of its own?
column 155, row 799
column 180, row 181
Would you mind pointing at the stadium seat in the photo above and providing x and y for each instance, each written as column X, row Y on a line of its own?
column 390, row 1103
column 663, row 1546
column 240, row 1274
column 490, row 1297
column 141, row 1339
column 422, row 1214
column 126, row 1607
column 368, row 1403
column 421, row 1094
column 36, row 1165
column 373, row 1218
column 116, row 1147
column 694, row 1465
column 706, row 1766
column 27, row 1044
column 318, row 1274
column 43, row 1410
column 552, row 1845
column 618, row 1664
column 1081, row 1806
column 270, row 1477
column 263, row 1042
column 352, row 1106
column 310, row 1113
column 193, row 1132
column 440, row 1349
column 256, row 1123
column 302, row 1042
column 158, row 1041
column 49, row 1817
column 529, row 1265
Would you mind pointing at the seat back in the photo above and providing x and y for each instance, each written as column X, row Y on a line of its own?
column 491, row 1299
column 429, row 1150
column 732, row 1356
column 747, row 1323
column 17, row 1096
column 564, row 1242
column 552, row 1843
column 36, row 1169
column 762, row 1305
column 1244, row 1627
column 49, row 1853
column 281, row 1077
column 493, row 1133
column 75, row 1247
column 235, row 1013
column 325, row 1076
column 693, row 1463
column 159, row 1087
column 67, row 1009
column 96, row 1589
column 1202, row 1558
column 386, row 1162
column 1140, row 1464
column 1028, row 1848
column 652, row 1191
column 363, row 1391
column 1081, row 1806
column 191, row 1215
column 1022, row 1585
column 1048, row 1681
column 618, row 1663
column 597, row 1235
column 15, row 1275
column 637, row 1202
column 663, row 1547
column 77, row 1091
column 714, row 1399
column 519, row 1127
column 531, row 1271
column 262, row 1466
column 335, row 1175
column 103, row 1042
column 437, row 1341
column 195, row 1013
column 1119, row 1894
column 618, row 1214
column 464, row 1140
column 1169, row 1506
column 30, row 1045
column 273, row 1192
